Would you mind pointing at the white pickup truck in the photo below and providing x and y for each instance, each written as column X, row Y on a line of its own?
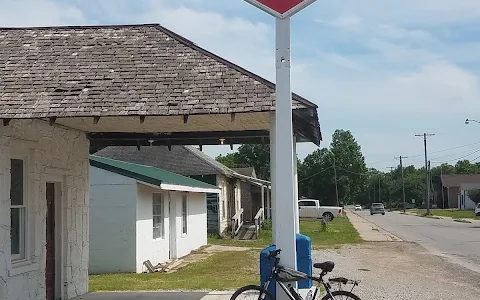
column 311, row 208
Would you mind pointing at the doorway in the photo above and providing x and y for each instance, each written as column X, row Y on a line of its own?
column 53, row 242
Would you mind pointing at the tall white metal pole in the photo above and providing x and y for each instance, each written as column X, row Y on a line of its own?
column 284, row 190
column 273, row 173
column 295, row 185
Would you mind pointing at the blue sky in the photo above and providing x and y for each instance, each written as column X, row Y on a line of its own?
column 384, row 69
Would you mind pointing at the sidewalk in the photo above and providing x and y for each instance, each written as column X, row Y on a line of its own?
column 370, row 232
column 471, row 221
column 218, row 295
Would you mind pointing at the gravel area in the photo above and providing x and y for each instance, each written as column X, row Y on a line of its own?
column 401, row 271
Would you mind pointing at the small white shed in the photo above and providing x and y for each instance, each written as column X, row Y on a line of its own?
column 140, row 213
column 464, row 201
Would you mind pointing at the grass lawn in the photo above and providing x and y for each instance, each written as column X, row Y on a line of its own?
column 339, row 232
column 222, row 271
column 456, row 214
column 225, row 270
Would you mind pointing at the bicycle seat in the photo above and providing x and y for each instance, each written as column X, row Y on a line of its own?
column 325, row 266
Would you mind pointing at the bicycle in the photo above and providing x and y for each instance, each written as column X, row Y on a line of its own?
column 283, row 275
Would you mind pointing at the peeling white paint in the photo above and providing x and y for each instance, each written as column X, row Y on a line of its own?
column 53, row 151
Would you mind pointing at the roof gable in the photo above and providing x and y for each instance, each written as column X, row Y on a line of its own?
column 147, row 174
column 247, row 171
column 183, row 160
column 458, row 179
column 122, row 70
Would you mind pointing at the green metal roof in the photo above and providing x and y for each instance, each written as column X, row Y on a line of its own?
column 146, row 174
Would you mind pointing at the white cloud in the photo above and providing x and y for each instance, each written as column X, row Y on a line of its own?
column 402, row 12
column 345, row 22
column 404, row 79
column 24, row 13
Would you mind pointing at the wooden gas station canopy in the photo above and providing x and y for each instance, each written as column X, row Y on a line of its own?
column 137, row 85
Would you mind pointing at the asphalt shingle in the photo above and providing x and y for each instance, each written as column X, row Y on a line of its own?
column 122, row 70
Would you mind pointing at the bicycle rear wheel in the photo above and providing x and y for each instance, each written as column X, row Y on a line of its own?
column 252, row 292
column 341, row 295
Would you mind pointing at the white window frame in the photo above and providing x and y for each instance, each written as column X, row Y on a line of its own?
column 184, row 214
column 22, row 256
column 161, row 215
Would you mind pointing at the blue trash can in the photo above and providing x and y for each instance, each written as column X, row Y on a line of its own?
column 304, row 262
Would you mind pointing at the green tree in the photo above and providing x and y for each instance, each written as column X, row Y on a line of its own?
column 317, row 180
column 465, row 167
column 351, row 167
column 257, row 156
column 229, row 160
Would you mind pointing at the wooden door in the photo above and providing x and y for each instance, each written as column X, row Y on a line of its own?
column 50, row 242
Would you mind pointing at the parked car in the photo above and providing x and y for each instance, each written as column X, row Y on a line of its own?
column 311, row 208
column 358, row 207
column 477, row 210
column 377, row 208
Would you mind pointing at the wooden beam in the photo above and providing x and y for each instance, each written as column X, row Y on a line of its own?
column 6, row 122
column 142, row 119
column 95, row 120
column 185, row 119
column 181, row 135
column 52, row 120
column 176, row 138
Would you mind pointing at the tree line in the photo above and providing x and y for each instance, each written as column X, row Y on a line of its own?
column 356, row 184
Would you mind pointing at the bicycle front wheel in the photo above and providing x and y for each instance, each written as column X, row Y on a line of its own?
column 252, row 292
column 341, row 295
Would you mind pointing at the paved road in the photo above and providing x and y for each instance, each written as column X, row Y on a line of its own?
column 459, row 242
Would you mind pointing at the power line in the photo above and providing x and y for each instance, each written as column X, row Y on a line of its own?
column 458, row 158
column 433, row 152
column 323, row 170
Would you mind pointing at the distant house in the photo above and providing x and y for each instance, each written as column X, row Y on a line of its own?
column 457, row 187
column 231, row 207
column 141, row 213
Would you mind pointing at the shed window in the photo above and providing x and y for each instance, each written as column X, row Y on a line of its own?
column 158, row 216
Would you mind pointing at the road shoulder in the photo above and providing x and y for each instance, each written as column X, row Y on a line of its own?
column 369, row 231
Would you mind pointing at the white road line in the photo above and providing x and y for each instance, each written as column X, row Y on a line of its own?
column 218, row 295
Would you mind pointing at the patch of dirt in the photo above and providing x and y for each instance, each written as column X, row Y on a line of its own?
column 195, row 256
column 401, row 271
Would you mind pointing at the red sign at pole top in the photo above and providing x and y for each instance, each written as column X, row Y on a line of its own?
column 281, row 8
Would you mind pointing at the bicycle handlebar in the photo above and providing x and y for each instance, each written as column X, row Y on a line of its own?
column 274, row 253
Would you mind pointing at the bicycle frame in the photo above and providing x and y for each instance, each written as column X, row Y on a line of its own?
column 292, row 294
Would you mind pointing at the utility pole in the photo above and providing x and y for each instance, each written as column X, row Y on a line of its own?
column 441, row 185
column 335, row 174
column 430, row 182
column 425, row 135
column 403, row 183
column 390, row 195
column 374, row 193
column 379, row 193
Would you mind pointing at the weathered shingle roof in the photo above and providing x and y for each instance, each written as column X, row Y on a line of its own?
column 122, row 70
column 457, row 180
column 147, row 174
column 184, row 160
column 247, row 171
